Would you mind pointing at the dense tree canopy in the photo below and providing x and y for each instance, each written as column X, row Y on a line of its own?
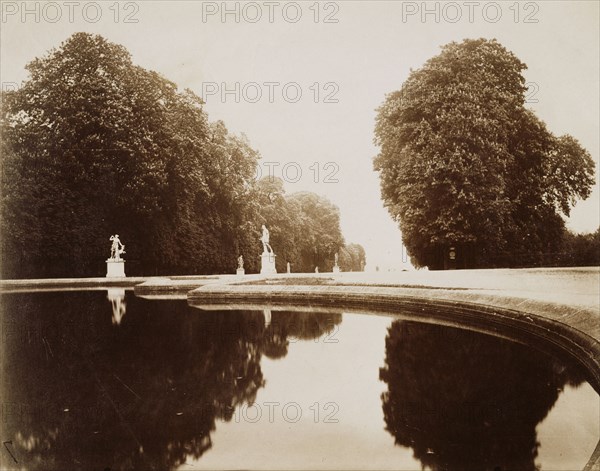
column 93, row 145
column 99, row 145
column 464, row 164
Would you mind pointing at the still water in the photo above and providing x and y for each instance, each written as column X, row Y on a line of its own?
column 97, row 380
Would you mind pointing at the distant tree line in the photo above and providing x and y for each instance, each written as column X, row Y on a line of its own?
column 305, row 229
column 93, row 145
column 473, row 177
column 577, row 250
column 569, row 250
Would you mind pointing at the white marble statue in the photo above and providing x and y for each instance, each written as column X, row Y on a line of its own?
column 267, row 259
column 265, row 240
column 240, row 262
column 116, row 249
column 336, row 267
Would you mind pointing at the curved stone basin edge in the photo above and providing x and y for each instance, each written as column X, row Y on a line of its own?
column 574, row 330
column 549, row 325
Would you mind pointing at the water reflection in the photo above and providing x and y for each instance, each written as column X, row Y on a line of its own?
column 267, row 314
column 86, row 386
column 144, row 391
column 116, row 296
column 462, row 400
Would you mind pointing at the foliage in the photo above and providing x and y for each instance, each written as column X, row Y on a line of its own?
column 319, row 235
column 464, row 163
column 579, row 250
column 97, row 145
column 352, row 258
column 93, row 145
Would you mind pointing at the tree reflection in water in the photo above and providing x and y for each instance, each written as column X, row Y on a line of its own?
column 82, row 393
column 468, row 401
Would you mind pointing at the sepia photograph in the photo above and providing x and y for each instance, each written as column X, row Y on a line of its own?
column 299, row 235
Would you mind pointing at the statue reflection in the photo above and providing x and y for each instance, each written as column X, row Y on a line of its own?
column 464, row 400
column 116, row 296
column 145, row 395
column 267, row 314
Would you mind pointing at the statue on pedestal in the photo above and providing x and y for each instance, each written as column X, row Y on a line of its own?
column 115, row 265
column 267, row 259
column 240, row 268
column 336, row 267
column 265, row 240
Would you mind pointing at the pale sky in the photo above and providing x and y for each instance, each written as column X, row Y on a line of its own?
column 353, row 63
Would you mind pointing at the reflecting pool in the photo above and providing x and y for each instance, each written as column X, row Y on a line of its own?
column 104, row 380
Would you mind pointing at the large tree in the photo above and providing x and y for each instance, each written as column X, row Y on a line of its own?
column 92, row 145
column 464, row 164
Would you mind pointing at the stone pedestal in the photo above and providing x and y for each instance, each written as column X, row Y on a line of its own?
column 267, row 266
column 115, row 269
column 336, row 269
column 240, row 271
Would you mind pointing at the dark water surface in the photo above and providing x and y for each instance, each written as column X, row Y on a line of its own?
column 97, row 380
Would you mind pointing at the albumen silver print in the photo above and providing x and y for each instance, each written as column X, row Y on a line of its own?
column 296, row 235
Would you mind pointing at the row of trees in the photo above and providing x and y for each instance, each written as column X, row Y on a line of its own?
column 94, row 145
column 579, row 250
column 471, row 175
column 305, row 229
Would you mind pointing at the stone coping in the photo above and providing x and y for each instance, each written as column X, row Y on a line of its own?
column 575, row 328
column 59, row 284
